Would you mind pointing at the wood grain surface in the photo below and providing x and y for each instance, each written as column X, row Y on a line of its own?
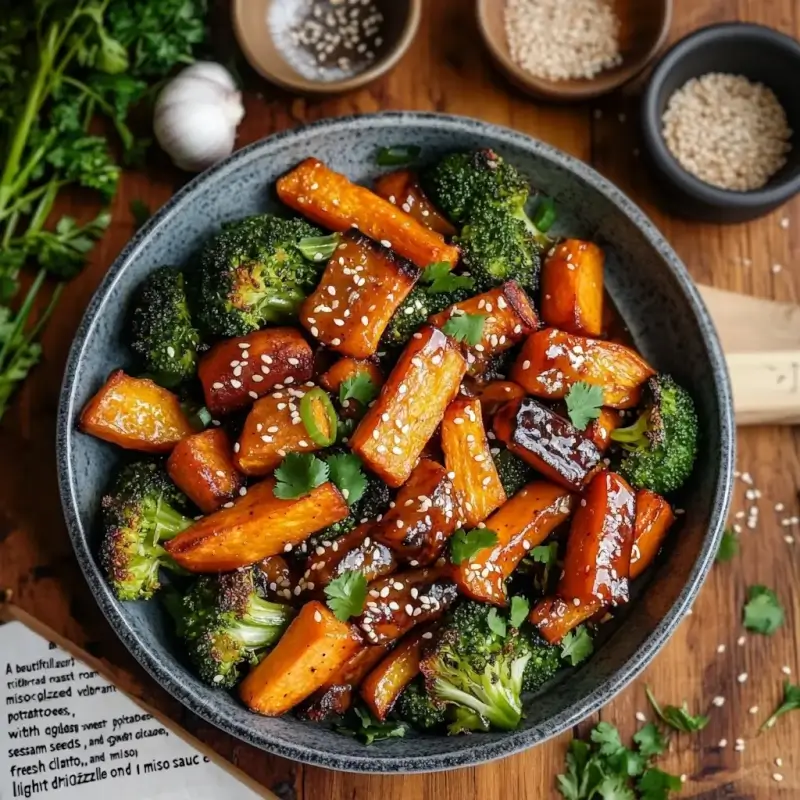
column 447, row 70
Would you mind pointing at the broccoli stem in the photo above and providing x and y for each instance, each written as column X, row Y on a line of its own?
column 492, row 705
column 634, row 436
column 168, row 522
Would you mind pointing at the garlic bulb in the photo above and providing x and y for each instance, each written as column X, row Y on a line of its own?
column 196, row 116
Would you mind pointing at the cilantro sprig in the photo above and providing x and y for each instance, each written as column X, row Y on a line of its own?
column 763, row 612
column 577, row 646
column 680, row 719
column 345, row 471
column 465, row 545
column 358, row 387
column 299, row 474
column 360, row 724
column 728, row 546
column 465, row 328
column 347, row 595
column 584, row 401
column 438, row 278
column 791, row 702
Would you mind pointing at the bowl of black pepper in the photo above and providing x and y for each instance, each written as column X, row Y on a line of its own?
column 721, row 123
column 324, row 46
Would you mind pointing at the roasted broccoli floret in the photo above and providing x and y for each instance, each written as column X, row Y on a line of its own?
column 661, row 446
column 162, row 333
column 142, row 509
column 227, row 625
column 544, row 663
column 414, row 312
column 416, row 707
column 474, row 668
column 513, row 472
column 253, row 273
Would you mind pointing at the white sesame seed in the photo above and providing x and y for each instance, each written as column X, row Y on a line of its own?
column 776, row 776
column 640, row 717
column 742, row 677
column 722, row 743
column 741, row 641
column 236, row 384
column 718, row 701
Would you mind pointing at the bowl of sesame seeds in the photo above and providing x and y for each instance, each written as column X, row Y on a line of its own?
column 324, row 46
column 720, row 118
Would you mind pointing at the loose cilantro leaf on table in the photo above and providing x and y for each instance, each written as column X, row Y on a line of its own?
column 577, row 646
column 298, row 474
column 650, row 740
column 656, row 784
column 358, row 387
column 465, row 328
column 345, row 471
column 520, row 607
column 438, row 278
column 728, row 546
column 347, row 595
column 791, row 702
column 763, row 612
column 464, row 545
column 584, row 402
column 680, row 719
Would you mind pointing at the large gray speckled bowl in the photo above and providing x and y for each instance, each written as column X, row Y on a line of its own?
column 648, row 283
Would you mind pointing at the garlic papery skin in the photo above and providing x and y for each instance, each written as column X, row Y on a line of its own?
column 196, row 116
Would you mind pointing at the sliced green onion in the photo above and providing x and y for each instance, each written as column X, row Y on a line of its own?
column 318, row 248
column 545, row 214
column 398, row 154
column 307, row 403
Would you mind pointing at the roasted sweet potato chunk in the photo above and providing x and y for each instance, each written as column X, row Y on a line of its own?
column 274, row 428
column 654, row 518
column 236, row 372
column 331, row 200
column 256, row 526
column 349, row 369
column 202, row 467
column 467, row 456
column 336, row 696
column 496, row 393
column 361, row 288
column 402, row 188
column 572, row 288
column 522, row 523
column 136, row 414
column 314, row 648
column 383, row 685
column 599, row 430
column 426, row 511
column 411, row 404
column 399, row 602
column 508, row 318
column 556, row 617
column 552, row 361
column 598, row 559
column 549, row 443
column 357, row 551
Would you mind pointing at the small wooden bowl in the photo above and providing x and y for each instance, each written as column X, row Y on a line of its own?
column 262, row 30
column 644, row 27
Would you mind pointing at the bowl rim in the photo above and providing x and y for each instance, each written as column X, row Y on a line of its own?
column 309, row 86
column 769, row 195
column 475, row 751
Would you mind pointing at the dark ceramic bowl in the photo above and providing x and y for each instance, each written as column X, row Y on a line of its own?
column 655, row 295
column 760, row 54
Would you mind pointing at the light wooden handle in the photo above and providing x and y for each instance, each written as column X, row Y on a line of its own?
column 761, row 340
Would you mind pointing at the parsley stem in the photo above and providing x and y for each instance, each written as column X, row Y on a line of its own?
column 14, row 339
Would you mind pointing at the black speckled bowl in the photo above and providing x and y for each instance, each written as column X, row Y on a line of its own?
column 655, row 295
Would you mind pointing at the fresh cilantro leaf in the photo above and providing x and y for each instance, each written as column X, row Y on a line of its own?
column 298, row 474
column 656, row 784
column 318, row 248
column 140, row 212
column 791, row 702
column 615, row 787
column 464, row 545
column 358, row 387
column 574, row 785
column 546, row 554
column 728, row 546
column 345, row 472
column 439, row 278
column 520, row 607
column 496, row 623
column 465, row 328
column 397, row 155
column 347, row 595
column 763, row 612
column 577, row 646
column 584, row 402
column 678, row 718
column 606, row 736
column 650, row 740
column 362, row 725
column 627, row 762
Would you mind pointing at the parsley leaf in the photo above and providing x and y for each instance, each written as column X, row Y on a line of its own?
column 791, row 702
column 358, row 387
column 345, row 472
column 464, row 545
column 347, row 595
column 678, row 718
column 465, row 328
column 650, row 740
column 440, row 278
column 728, row 546
column 496, row 623
column 577, row 646
column 584, row 402
column 656, row 784
column 520, row 607
column 298, row 474
column 763, row 612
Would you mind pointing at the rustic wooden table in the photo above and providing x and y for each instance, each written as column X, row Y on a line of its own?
column 448, row 70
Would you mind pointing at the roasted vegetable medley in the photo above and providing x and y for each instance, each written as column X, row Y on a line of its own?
column 397, row 456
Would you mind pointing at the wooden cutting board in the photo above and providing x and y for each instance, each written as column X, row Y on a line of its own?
column 761, row 340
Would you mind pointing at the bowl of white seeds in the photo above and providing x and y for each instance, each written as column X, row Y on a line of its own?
column 721, row 122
